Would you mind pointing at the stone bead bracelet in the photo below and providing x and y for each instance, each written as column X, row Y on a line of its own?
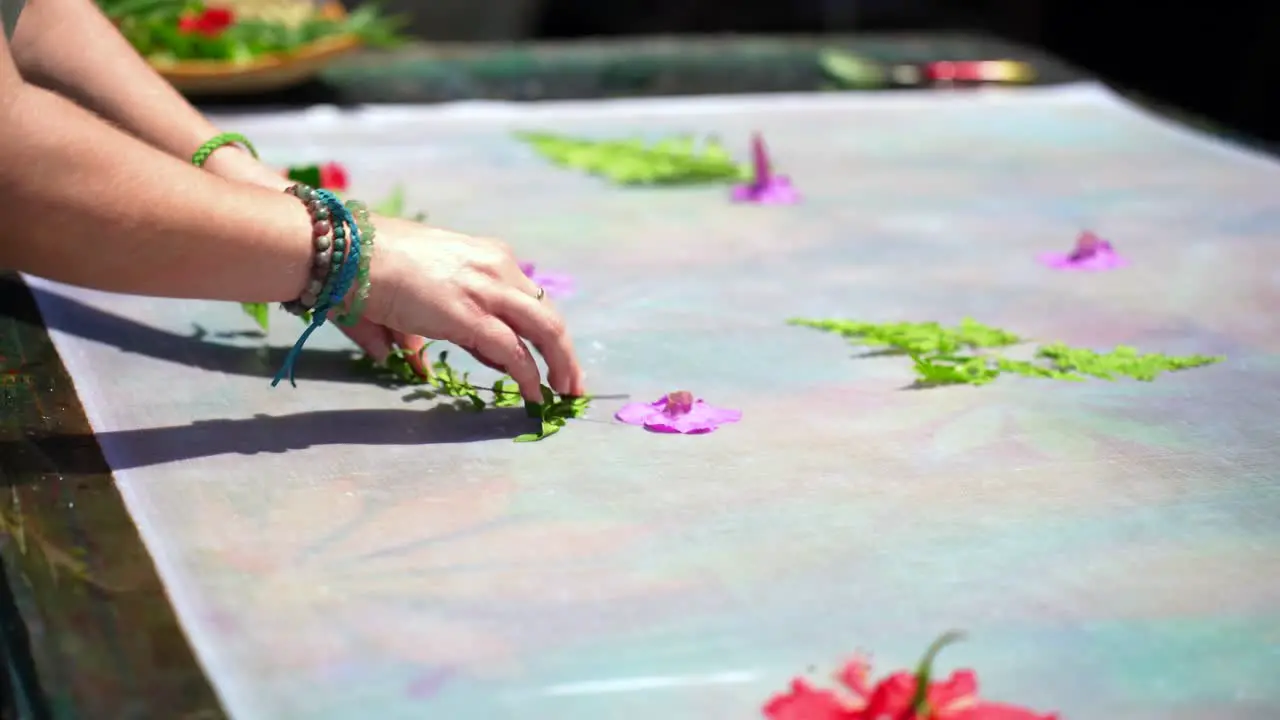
column 343, row 261
column 328, row 242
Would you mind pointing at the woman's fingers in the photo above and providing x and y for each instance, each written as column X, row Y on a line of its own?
column 487, row 362
column 499, row 344
column 538, row 321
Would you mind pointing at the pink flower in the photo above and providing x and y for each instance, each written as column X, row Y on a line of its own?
column 894, row 698
column 765, row 188
column 556, row 284
column 677, row 412
column 1091, row 253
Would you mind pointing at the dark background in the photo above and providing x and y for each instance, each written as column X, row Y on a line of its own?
column 1215, row 60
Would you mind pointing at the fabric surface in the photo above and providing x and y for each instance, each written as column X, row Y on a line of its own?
column 1112, row 549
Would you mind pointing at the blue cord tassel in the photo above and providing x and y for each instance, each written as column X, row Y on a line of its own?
column 317, row 319
column 346, row 277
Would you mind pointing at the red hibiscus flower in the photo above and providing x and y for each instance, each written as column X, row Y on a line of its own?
column 901, row 696
column 211, row 22
column 333, row 177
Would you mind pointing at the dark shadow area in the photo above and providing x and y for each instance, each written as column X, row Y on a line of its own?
column 85, row 321
column 129, row 449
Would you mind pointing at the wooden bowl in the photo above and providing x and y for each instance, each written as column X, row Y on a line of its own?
column 265, row 74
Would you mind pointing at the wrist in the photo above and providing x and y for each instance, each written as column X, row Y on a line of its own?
column 232, row 163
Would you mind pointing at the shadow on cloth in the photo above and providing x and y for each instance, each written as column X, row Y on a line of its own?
column 85, row 321
column 128, row 449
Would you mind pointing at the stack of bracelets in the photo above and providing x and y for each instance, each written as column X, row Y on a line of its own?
column 342, row 238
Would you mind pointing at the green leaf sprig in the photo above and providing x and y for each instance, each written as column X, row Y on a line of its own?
column 674, row 161
column 445, row 381
column 965, row 355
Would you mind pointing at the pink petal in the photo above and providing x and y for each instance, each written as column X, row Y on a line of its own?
column 638, row 413
column 777, row 191
column 1101, row 260
column 701, row 418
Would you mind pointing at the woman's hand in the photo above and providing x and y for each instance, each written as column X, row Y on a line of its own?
column 471, row 292
column 429, row 283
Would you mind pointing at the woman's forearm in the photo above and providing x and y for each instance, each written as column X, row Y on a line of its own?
column 70, row 47
column 87, row 204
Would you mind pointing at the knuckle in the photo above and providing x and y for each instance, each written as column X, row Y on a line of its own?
column 556, row 327
column 473, row 282
column 499, row 247
column 489, row 262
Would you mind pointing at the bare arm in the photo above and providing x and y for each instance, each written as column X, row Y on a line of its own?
column 87, row 204
column 70, row 47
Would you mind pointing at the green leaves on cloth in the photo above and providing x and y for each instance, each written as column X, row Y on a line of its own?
column 445, row 381
column 674, row 161
column 963, row 355
column 552, row 413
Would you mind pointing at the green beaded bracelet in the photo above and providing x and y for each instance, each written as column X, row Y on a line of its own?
column 222, row 140
column 367, row 235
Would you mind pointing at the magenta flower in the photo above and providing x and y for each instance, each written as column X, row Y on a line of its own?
column 1091, row 253
column 677, row 412
column 557, row 285
column 765, row 188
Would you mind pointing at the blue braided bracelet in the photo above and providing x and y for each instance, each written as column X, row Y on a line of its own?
column 341, row 276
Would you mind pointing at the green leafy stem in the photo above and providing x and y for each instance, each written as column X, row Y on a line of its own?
column 967, row 354
column 679, row 160
column 444, row 381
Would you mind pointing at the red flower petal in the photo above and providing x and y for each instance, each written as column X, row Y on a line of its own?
column 959, row 690
column 804, row 702
column 892, row 697
column 333, row 177
column 857, row 677
column 980, row 710
column 188, row 24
